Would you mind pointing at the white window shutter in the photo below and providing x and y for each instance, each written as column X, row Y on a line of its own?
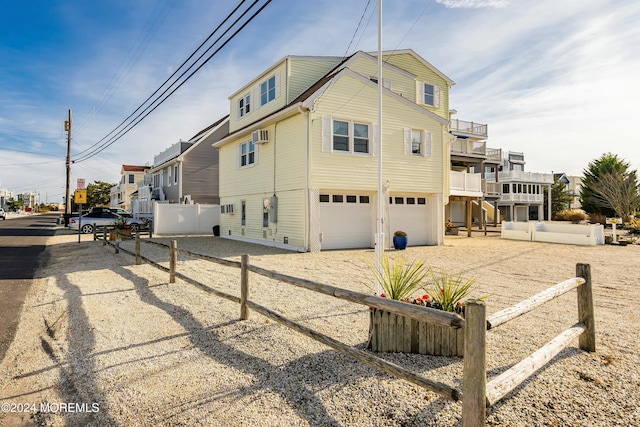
column 255, row 153
column 408, row 148
column 277, row 84
column 427, row 143
column 420, row 97
column 376, row 143
column 238, row 154
column 327, row 134
column 436, row 96
column 256, row 98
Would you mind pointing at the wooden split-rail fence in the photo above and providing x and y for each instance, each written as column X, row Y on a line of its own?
column 477, row 394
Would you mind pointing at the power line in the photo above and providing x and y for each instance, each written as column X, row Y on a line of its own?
column 119, row 134
column 138, row 47
column 357, row 28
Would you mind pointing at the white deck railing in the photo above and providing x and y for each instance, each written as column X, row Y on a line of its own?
column 472, row 128
column 467, row 146
column 465, row 182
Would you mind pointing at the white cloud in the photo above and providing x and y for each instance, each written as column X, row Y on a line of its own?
column 473, row 4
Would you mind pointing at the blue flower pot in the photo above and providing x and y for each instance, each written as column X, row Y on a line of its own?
column 400, row 242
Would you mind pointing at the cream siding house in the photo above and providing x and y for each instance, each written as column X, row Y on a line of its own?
column 302, row 172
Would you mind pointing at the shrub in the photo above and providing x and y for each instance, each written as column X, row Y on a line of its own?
column 573, row 215
column 447, row 290
column 400, row 233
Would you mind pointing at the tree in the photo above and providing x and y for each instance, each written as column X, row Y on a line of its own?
column 15, row 205
column 618, row 192
column 607, row 164
column 560, row 197
column 99, row 193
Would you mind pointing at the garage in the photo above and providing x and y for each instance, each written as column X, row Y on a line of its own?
column 345, row 221
column 410, row 214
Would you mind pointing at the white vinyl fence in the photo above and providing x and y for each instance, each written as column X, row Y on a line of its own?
column 172, row 218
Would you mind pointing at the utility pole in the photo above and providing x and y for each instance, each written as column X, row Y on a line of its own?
column 67, row 201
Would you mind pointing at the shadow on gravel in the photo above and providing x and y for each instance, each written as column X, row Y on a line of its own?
column 291, row 380
column 76, row 382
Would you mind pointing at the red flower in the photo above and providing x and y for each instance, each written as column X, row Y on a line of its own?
column 442, row 291
column 426, row 297
column 418, row 299
column 459, row 304
column 383, row 296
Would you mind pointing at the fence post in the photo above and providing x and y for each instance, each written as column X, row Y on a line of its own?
column 117, row 245
column 173, row 259
column 104, row 235
column 244, row 287
column 138, row 260
column 95, row 232
column 474, row 386
column 587, row 340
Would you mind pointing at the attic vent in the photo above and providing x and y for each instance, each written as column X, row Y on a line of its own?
column 260, row 136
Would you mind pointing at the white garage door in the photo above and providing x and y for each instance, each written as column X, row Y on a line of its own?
column 345, row 221
column 410, row 215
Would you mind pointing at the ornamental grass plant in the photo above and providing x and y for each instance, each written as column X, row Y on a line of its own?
column 447, row 290
column 399, row 278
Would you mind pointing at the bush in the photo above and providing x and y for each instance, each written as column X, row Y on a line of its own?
column 597, row 218
column 573, row 215
column 633, row 226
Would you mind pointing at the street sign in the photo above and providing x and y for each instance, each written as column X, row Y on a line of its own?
column 80, row 196
column 80, row 184
column 614, row 220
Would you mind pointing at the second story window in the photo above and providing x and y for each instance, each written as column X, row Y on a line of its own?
column 417, row 142
column 247, row 154
column 244, row 106
column 268, row 90
column 131, row 179
column 351, row 137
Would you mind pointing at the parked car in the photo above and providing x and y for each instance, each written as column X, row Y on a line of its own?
column 3, row 214
column 101, row 218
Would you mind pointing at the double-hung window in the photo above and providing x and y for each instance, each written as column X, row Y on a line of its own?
column 244, row 105
column 429, row 94
column 268, row 90
column 247, row 154
column 351, row 137
column 417, row 142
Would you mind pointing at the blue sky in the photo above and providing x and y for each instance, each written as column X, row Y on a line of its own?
column 557, row 80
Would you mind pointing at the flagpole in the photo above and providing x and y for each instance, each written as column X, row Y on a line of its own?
column 379, row 244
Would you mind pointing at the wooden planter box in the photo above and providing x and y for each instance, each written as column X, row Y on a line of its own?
column 389, row 332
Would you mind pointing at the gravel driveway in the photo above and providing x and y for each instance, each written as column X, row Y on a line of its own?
column 105, row 342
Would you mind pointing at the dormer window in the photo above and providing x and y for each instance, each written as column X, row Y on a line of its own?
column 244, row 105
column 269, row 90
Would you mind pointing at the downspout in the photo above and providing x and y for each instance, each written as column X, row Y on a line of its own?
column 307, row 222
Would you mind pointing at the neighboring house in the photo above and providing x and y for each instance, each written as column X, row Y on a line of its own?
column 521, row 193
column 5, row 196
column 130, row 176
column 473, row 199
column 187, row 172
column 299, row 168
column 572, row 185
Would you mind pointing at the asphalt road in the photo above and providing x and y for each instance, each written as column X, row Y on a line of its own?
column 22, row 250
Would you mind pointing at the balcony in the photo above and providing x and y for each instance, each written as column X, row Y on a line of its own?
column 469, row 147
column 465, row 184
column 172, row 152
column 469, row 129
column 522, row 198
column 491, row 188
column 521, row 176
column 494, row 155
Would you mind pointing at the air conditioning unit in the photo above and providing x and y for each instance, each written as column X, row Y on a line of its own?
column 260, row 136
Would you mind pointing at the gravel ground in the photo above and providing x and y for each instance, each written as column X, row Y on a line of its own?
column 126, row 348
